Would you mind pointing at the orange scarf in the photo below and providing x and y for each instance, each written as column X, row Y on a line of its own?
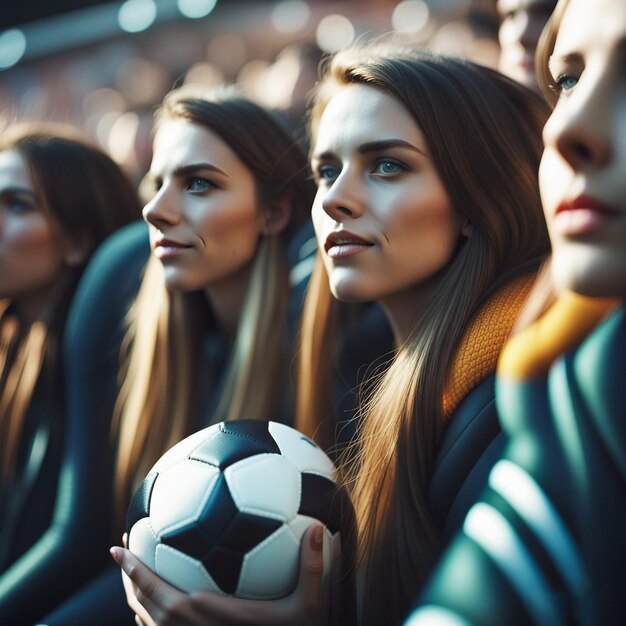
column 483, row 340
column 562, row 327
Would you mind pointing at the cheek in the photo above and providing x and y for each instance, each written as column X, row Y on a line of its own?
column 430, row 221
column 507, row 34
column 32, row 238
column 30, row 256
column 553, row 181
column 230, row 225
column 319, row 217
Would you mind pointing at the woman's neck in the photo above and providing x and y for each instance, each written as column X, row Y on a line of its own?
column 227, row 298
column 403, row 309
column 34, row 308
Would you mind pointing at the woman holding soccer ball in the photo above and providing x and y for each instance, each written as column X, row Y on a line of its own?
column 209, row 334
column 427, row 203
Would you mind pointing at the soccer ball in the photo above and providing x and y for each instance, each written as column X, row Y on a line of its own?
column 225, row 509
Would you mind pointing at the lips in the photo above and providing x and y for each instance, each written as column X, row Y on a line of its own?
column 344, row 243
column 164, row 248
column 581, row 215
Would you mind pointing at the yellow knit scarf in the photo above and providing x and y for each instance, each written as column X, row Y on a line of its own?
column 483, row 340
column 531, row 352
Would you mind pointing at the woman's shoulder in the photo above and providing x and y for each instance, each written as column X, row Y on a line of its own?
column 469, row 448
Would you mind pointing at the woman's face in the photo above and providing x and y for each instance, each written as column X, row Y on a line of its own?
column 521, row 23
column 204, row 221
column 31, row 247
column 583, row 170
column 382, row 217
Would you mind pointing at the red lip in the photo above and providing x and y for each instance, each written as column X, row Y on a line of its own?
column 169, row 243
column 581, row 216
column 528, row 63
column 585, row 202
column 344, row 237
column 169, row 249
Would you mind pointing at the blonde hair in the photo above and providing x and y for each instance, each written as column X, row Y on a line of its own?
column 89, row 196
column 157, row 401
column 545, row 47
column 543, row 293
column 484, row 135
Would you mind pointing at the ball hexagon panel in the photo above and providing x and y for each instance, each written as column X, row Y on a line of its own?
column 187, row 480
column 184, row 449
column 190, row 574
column 300, row 450
column 144, row 542
column 252, row 480
column 254, row 581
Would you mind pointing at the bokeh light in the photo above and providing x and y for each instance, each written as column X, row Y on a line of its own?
column 12, row 47
column 137, row 15
column 196, row 9
column 410, row 16
column 290, row 16
column 334, row 32
column 204, row 74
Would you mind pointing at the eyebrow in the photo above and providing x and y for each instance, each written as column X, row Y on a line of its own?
column 13, row 190
column 376, row 146
column 192, row 168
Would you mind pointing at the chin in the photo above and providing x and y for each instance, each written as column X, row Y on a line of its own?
column 179, row 284
column 594, row 277
column 350, row 293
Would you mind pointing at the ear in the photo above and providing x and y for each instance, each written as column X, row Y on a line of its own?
column 276, row 216
column 77, row 249
column 467, row 228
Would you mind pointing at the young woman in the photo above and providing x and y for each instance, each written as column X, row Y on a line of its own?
column 520, row 25
column 226, row 198
column 60, row 197
column 546, row 543
column 427, row 203
column 209, row 335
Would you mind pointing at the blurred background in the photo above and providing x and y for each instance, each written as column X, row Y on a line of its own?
column 105, row 65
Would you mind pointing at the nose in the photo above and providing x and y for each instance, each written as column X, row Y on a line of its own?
column 162, row 210
column 343, row 199
column 524, row 30
column 579, row 129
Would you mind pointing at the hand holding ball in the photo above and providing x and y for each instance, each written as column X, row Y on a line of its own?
column 225, row 509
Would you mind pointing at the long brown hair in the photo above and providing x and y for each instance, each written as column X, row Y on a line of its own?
column 89, row 196
column 156, row 404
column 484, row 134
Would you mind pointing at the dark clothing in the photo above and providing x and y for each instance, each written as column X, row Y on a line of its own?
column 471, row 444
column 546, row 543
column 75, row 546
column 101, row 600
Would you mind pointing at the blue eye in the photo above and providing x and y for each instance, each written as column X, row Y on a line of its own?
column 388, row 167
column 327, row 173
column 197, row 184
column 566, row 82
column 17, row 205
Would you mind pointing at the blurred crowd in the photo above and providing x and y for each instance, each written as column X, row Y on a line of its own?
column 270, row 49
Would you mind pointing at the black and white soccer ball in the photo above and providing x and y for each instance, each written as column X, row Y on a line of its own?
column 225, row 509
